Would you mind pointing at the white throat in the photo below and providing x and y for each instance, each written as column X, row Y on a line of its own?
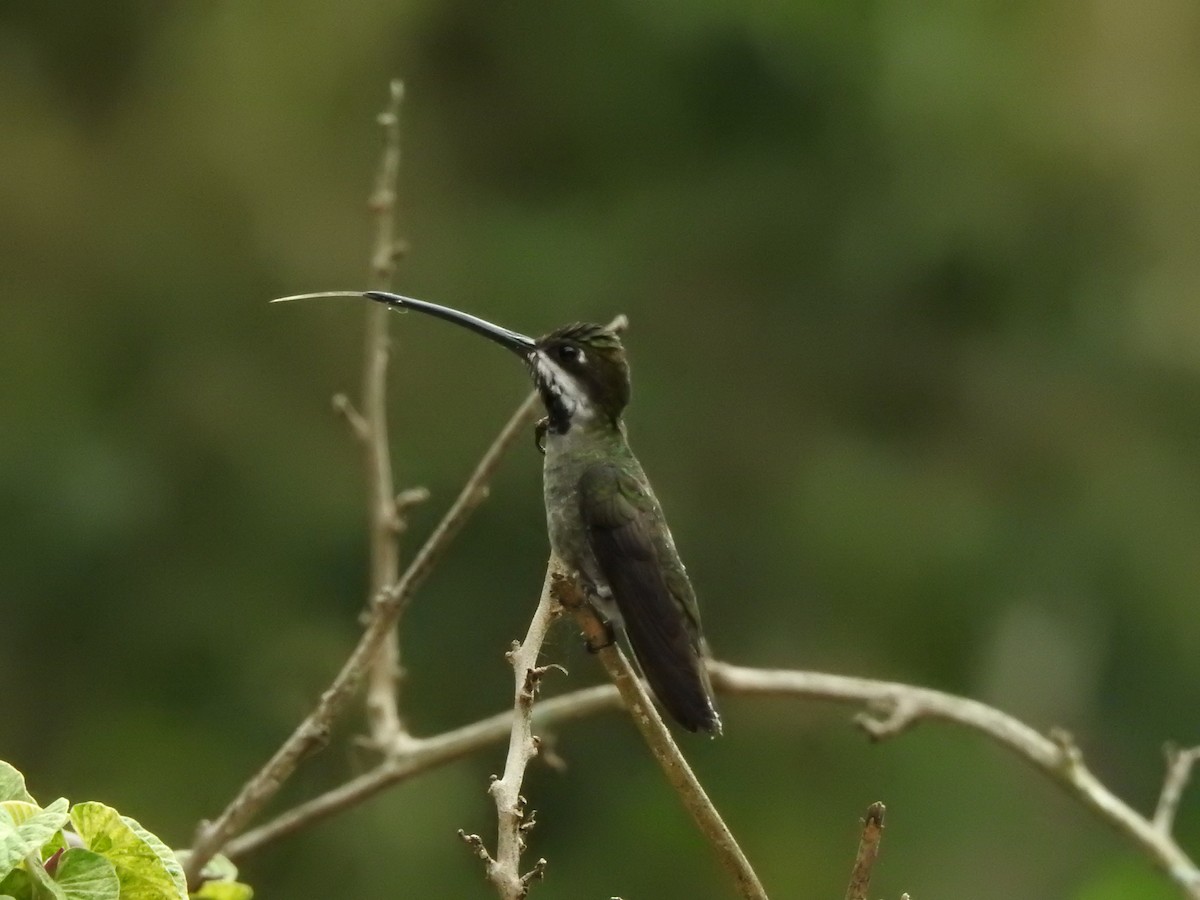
column 565, row 387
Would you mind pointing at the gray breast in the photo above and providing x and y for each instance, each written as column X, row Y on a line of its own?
column 564, row 522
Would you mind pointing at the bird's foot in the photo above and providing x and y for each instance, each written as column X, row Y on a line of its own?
column 595, row 645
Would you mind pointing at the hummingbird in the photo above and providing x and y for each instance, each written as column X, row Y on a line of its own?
column 604, row 521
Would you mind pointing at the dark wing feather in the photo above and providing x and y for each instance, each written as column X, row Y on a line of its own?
column 629, row 539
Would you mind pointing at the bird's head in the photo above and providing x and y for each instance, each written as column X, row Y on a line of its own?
column 581, row 373
column 580, row 370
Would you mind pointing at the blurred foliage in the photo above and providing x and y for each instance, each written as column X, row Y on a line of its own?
column 916, row 350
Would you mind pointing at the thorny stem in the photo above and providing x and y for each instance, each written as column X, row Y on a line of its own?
column 514, row 819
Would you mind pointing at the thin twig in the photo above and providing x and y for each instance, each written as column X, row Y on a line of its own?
column 358, row 425
column 514, row 820
column 896, row 707
column 662, row 745
column 868, row 852
column 422, row 755
column 881, row 696
column 388, row 606
column 1179, row 771
column 383, row 681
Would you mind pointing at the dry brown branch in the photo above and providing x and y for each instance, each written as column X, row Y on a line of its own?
column 658, row 739
column 388, row 606
column 868, row 852
column 420, row 756
column 514, row 820
column 384, row 525
column 893, row 708
column 1043, row 753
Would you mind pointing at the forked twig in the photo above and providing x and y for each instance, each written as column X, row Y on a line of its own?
column 919, row 704
column 894, row 708
column 421, row 755
column 387, row 608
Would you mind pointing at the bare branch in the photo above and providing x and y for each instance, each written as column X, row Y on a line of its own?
column 475, row 843
column 421, row 756
column 1179, row 771
column 309, row 735
column 868, row 852
column 410, row 497
column 882, row 696
column 358, row 425
column 383, row 199
column 896, row 707
column 660, row 742
column 389, row 605
column 384, row 526
column 514, row 821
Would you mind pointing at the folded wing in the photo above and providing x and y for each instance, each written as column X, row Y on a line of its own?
column 633, row 549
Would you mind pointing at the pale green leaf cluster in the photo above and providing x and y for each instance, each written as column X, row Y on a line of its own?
column 89, row 851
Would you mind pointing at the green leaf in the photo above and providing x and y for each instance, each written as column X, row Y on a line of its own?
column 165, row 854
column 224, row 890
column 19, row 811
column 20, row 838
column 17, row 885
column 219, row 868
column 85, row 875
column 12, row 784
column 219, row 877
column 56, row 843
column 45, row 886
column 146, row 867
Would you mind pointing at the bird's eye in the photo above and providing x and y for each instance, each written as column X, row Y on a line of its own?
column 569, row 353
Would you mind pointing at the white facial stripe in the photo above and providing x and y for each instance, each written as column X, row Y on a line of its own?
column 564, row 386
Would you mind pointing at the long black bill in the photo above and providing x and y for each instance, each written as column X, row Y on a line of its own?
column 520, row 344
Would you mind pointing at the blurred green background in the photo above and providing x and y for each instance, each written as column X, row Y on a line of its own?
column 916, row 351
